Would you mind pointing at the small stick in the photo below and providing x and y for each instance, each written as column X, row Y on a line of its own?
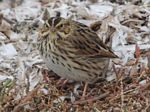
column 92, row 99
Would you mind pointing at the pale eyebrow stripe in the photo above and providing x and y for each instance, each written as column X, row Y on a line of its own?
column 47, row 23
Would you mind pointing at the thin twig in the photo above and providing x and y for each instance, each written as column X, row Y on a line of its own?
column 92, row 99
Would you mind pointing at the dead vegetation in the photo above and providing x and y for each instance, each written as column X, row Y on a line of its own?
column 27, row 86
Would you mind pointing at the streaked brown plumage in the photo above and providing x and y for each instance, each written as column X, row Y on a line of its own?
column 73, row 51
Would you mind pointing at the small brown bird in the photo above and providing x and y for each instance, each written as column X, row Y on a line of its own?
column 73, row 51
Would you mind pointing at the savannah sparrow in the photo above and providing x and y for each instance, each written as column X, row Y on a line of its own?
column 73, row 51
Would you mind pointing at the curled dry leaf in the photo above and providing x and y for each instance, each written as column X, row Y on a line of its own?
column 4, row 25
column 120, row 26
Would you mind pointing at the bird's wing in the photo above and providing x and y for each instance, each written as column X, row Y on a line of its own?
column 86, row 43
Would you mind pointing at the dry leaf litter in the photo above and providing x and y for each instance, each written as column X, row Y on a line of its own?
column 25, row 83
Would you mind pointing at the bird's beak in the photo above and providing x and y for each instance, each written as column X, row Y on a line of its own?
column 53, row 29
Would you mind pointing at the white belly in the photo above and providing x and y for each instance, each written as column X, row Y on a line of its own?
column 63, row 71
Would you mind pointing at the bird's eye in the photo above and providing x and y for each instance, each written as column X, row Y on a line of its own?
column 60, row 26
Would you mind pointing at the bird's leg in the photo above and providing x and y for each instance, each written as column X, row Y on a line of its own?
column 62, row 81
column 84, row 91
column 65, row 81
column 45, row 75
